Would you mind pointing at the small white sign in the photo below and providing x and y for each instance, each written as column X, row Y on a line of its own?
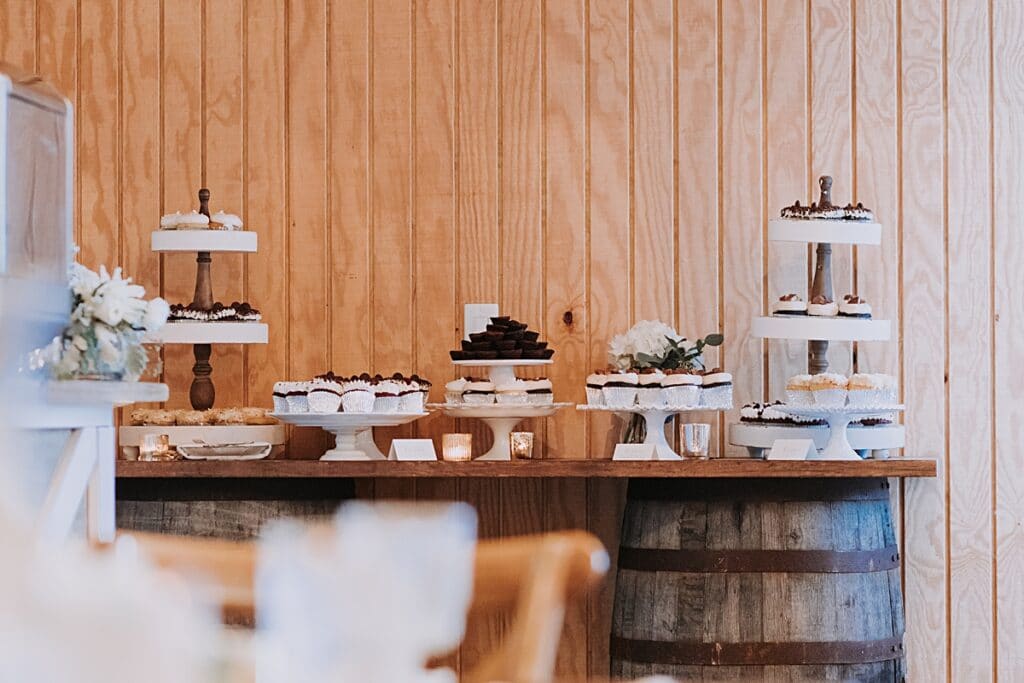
column 476, row 318
column 792, row 449
column 635, row 451
column 412, row 449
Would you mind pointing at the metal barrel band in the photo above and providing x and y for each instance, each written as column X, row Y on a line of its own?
column 679, row 653
column 760, row 561
column 754, row 490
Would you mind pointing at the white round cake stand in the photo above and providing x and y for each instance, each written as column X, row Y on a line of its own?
column 839, row 418
column 502, row 371
column 353, row 432
column 655, row 419
column 501, row 419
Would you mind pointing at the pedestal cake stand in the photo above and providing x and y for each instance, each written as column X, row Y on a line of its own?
column 353, row 432
column 839, row 418
column 655, row 418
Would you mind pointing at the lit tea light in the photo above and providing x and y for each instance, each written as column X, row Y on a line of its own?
column 522, row 444
column 695, row 438
column 155, row 447
column 457, row 447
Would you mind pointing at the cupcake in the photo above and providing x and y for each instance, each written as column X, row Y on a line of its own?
column 887, row 384
column 163, row 418
column 225, row 221
column 357, row 397
column 411, row 399
column 478, row 392
column 751, row 412
column 620, row 389
column 298, row 397
column 193, row 221
column 681, row 389
column 324, row 397
column 257, row 416
column 453, row 390
column 771, row 414
column 595, row 385
column 829, row 389
column 139, row 416
column 863, row 389
column 227, row 416
column 281, row 397
column 822, row 306
column 539, row 391
column 170, row 221
column 857, row 213
column 385, row 401
column 790, row 304
column 716, row 390
column 798, row 391
column 796, row 212
column 424, row 387
column 649, row 388
column 191, row 418
column 513, row 393
column 854, row 307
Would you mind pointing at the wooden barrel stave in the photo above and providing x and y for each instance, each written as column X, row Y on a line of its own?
column 760, row 607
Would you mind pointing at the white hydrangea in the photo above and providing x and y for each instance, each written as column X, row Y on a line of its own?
column 648, row 337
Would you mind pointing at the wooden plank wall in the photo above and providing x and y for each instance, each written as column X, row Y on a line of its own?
column 612, row 159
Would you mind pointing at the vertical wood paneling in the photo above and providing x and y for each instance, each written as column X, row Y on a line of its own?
column 308, row 321
column 224, row 176
column 969, row 340
column 831, row 142
column 923, row 331
column 740, row 198
column 614, row 159
column 1008, row 320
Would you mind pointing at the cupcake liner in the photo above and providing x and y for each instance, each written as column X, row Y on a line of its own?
column 298, row 404
column 717, row 398
column 648, row 397
column 280, row 404
column 478, row 399
column 453, row 397
column 323, row 402
column 511, row 399
column 540, row 399
column 799, row 397
column 412, row 403
column 830, row 398
column 865, row 397
column 386, row 404
column 682, row 396
column 358, row 401
column 595, row 397
column 620, row 397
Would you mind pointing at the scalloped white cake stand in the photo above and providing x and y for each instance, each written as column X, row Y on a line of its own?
column 839, row 418
column 353, row 432
column 655, row 419
column 502, row 419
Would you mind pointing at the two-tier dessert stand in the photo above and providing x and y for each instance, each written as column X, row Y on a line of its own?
column 501, row 418
column 203, row 335
column 819, row 331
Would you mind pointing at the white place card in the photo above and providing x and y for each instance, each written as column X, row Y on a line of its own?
column 476, row 317
column 792, row 449
column 635, row 451
column 412, row 449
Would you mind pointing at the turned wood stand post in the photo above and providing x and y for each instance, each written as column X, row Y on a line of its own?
column 202, row 393
column 817, row 350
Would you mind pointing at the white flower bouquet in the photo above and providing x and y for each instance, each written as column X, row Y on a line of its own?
column 109, row 318
column 654, row 344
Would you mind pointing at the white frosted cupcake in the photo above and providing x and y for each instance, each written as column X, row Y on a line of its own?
column 620, row 389
column 385, row 401
column 822, row 306
column 854, row 307
column 225, row 221
column 412, row 399
column 649, row 389
column 829, row 389
column 887, row 384
column 453, row 390
column 595, row 387
column 863, row 389
column 193, row 221
column 539, row 391
column 357, row 397
column 170, row 221
column 798, row 391
column 478, row 393
column 682, row 389
column 716, row 390
column 324, row 397
column 298, row 397
column 513, row 393
column 790, row 304
column 281, row 397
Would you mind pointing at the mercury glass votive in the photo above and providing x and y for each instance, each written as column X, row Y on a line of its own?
column 521, row 444
column 155, row 447
column 695, row 438
column 457, row 447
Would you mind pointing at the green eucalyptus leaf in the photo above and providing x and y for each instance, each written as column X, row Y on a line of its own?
column 715, row 339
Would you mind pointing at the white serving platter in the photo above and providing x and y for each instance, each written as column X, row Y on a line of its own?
column 209, row 333
column 237, row 241
column 272, row 434
column 831, row 231
column 812, row 327
column 110, row 393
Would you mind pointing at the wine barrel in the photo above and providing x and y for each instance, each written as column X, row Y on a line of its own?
column 758, row 579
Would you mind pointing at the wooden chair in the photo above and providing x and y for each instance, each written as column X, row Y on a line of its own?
column 534, row 576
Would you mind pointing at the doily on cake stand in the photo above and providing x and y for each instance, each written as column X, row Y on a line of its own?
column 655, row 417
column 839, row 418
column 353, row 432
column 502, row 419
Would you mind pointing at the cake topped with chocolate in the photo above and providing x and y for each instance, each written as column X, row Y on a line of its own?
column 824, row 209
column 234, row 312
column 504, row 339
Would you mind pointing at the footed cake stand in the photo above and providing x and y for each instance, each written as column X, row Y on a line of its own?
column 839, row 418
column 502, row 419
column 353, row 432
column 655, row 417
